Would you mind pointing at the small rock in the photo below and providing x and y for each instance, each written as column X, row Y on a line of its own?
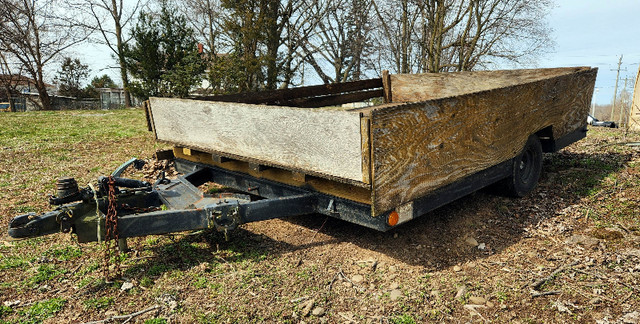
column 595, row 301
column 126, row 286
column 347, row 284
column 392, row 268
column 631, row 318
column 110, row 313
column 457, row 268
column 318, row 311
column 489, row 304
column 471, row 241
column 394, row 285
column 461, row 291
column 482, row 246
column 477, row 300
column 395, row 294
column 395, row 235
column 583, row 240
column 357, row 278
column 307, row 307
column 11, row 303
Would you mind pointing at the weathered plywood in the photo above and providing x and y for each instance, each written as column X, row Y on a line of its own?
column 420, row 147
column 427, row 86
column 324, row 142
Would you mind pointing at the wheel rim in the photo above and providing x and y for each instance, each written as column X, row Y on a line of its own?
column 526, row 165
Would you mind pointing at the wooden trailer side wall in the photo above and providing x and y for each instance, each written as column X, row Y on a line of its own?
column 428, row 86
column 420, row 147
column 321, row 142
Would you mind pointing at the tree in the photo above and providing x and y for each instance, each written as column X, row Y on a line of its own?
column 461, row 35
column 110, row 18
column 165, row 56
column 36, row 33
column 341, row 41
column 9, row 78
column 104, row 81
column 70, row 77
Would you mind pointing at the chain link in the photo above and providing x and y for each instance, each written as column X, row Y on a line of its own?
column 111, row 231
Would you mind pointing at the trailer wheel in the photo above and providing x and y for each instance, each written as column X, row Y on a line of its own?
column 526, row 169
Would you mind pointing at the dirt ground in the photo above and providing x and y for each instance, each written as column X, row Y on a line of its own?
column 569, row 252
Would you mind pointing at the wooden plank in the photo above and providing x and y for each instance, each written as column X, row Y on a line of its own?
column 427, row 86
column 334, row 100
column 282, row 95
column 358, row 192
column 311, row 141
column 219, row 159
column 386, row 85
column 365, row 130
column 420, row 147
column 258, row 167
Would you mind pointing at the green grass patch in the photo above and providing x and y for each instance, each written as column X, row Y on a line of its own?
column 13, row 262
column 40, row 311
column 45, row 272
column 64, row 253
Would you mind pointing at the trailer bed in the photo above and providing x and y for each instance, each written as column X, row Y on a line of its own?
column 428, row 130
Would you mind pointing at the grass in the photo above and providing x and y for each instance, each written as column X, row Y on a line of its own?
column 255, row 276
column 41, row 311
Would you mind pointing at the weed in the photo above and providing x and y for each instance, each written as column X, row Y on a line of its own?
column 64, row 253
column 5, row 310
column 146, row 282
column 40, row 311
column 158, row 269
column 13, row 262
column 156, row 321
column 46, row 272
column 403, row 319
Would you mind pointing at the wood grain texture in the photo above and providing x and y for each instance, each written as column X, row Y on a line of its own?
column 419, row 147
column 427, row 86
column 634, row 113
column 317, row 141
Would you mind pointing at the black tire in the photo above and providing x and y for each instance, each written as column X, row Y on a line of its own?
column 526, row 169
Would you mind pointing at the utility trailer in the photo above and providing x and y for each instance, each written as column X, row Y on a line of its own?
column 429, row 140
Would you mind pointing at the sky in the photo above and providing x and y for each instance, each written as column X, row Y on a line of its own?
column 587, row 32
column 595, row 33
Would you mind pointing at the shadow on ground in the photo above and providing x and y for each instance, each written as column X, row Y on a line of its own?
column 434, row 241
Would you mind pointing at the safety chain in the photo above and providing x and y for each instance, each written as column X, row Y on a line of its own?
column 111, row 232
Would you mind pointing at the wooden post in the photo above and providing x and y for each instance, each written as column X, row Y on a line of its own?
column 386, row 85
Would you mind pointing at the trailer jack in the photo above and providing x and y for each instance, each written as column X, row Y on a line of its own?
column 166, row 206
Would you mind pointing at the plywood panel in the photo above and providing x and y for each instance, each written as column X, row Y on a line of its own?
column 427, row 86
column 318, row 141
column 419, row 147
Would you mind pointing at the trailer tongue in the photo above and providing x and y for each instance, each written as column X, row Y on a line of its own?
column 431, row 139
column 144, row 209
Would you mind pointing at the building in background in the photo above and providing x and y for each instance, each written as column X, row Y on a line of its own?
column 113, row 98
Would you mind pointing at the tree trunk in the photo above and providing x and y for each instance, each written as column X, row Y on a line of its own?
column 120, row 46
column 45, row 100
